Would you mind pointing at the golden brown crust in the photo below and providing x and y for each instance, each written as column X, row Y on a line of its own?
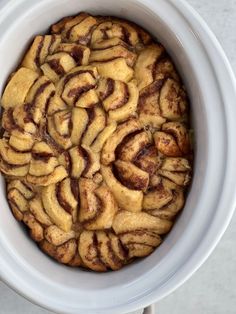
column 95, row 146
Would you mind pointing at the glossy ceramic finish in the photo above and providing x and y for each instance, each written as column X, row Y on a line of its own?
column 211, row 200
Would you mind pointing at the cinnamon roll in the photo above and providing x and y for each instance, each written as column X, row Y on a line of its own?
column 95, row 144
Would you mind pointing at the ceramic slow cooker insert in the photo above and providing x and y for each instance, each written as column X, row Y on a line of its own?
column 211, row 199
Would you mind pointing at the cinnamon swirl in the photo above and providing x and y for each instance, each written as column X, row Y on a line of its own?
column 95, row 145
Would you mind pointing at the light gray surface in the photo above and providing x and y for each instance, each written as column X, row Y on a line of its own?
column 212, row 290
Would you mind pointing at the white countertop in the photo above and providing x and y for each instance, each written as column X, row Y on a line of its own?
column 212, row 290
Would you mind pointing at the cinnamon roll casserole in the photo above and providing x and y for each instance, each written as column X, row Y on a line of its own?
column 95, row 145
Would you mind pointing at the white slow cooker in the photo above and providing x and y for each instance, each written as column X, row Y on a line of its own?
column 212, row 197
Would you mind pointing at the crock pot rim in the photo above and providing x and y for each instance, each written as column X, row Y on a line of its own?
column 189, row 13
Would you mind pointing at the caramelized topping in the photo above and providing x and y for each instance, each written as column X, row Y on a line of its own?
column 95, row 142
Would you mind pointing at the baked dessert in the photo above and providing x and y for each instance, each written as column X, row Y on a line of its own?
column 95, row 145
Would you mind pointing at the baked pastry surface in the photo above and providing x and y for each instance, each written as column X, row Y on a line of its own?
column 95, row 144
